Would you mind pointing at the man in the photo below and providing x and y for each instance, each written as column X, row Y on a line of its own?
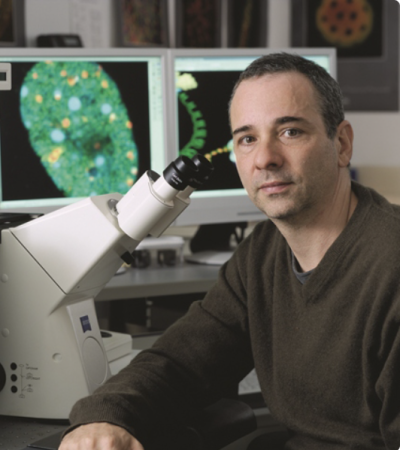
column 310, row 298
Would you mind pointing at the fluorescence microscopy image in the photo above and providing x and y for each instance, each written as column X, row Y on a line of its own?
column 79, row 128
column 354, row 27
column 143, row 22
column 199, row 23
column 203, row 123
column 345, row 22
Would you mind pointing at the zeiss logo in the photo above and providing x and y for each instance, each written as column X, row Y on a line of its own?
column 85, row 322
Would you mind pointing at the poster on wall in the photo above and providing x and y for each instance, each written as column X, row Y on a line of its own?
column 247, row 23
column 198, row 23
column 144, row 23
column 365, row 34
column 7, row 31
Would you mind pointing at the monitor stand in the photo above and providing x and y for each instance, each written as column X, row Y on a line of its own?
column 213, row 244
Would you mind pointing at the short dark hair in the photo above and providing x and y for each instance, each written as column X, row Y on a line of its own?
column 327, row 89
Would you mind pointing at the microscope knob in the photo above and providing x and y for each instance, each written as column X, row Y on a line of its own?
column 2, row 377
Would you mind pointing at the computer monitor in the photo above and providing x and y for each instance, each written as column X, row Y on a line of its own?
column 201, row 86
column 79, row 122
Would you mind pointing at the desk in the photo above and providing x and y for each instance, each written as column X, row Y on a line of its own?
column 18, row 432
column 156, row 281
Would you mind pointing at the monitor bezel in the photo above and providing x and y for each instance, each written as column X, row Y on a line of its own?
column 8, row 54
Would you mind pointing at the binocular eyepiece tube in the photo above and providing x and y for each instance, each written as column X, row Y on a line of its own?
column 185, row 172
column 154, row 202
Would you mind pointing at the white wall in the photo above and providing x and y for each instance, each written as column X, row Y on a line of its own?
column 377, row 135
column 93, row 20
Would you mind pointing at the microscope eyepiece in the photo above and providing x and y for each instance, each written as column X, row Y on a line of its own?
column 204, row 170
column 185, row 172
column 179, row 173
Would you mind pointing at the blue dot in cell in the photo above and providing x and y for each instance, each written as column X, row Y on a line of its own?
column 106, row 108
column 57, row 136
column 74, row 104
column 99, row 160
column 24, row 91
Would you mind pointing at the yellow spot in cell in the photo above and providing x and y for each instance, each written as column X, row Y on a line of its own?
column 55, row 155
column 104, row 84
column 66, row 122
column 57, row 96
column 129, row 124
column 85, row 119
column 85, row 74
column 130, row 155
column 72, row 81
column 35, row 76
column 112, row 117
column 134, row 171
column 63, row 73
column 39, row 98
column 129, row 182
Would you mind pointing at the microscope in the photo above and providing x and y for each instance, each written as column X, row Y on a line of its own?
column 52, row 268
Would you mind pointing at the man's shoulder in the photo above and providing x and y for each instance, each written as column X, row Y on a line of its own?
column 376, row 204
column 376, row 227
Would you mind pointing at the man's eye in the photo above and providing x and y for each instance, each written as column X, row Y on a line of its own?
column 247, row 140
column 292, row 132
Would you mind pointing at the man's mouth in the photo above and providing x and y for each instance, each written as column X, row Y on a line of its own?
column 275, row 187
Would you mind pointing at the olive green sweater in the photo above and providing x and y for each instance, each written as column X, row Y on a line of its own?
column 327, row 353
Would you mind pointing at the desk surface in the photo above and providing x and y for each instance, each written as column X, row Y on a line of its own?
column 17, row 432
column 160, row 280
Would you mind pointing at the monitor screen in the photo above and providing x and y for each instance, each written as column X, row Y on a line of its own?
column 202, row 84
column 79, row 123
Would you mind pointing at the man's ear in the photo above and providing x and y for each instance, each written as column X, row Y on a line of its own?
column 344, row 143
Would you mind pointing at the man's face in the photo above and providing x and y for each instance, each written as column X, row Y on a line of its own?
column 285, row 160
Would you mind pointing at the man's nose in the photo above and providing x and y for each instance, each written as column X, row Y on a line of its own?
column 269, row 155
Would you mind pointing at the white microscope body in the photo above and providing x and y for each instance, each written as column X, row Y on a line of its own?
column 51, row 268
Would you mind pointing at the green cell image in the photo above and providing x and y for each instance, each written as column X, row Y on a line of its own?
column 79, row 127
column 186, row 82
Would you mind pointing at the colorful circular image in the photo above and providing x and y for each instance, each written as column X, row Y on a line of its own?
column 344, row 23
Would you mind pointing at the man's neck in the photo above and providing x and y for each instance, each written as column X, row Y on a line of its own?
column 311, row 239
